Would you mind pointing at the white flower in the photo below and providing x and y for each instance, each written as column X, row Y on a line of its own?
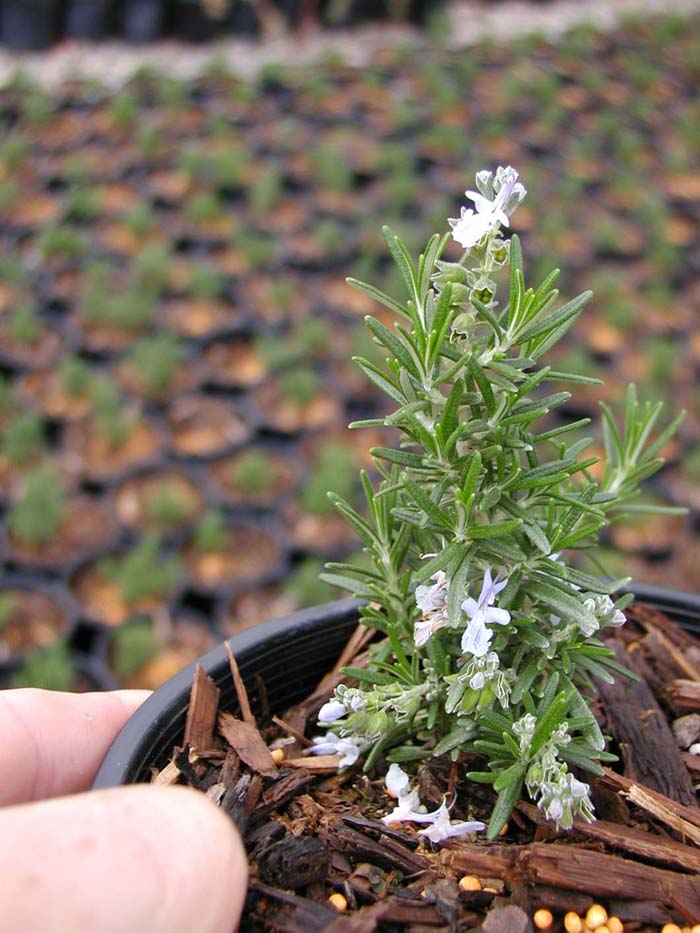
column 603, row 612
column 472, row 226
column 397, row 782
column 331, row 711
column 406, row 810
column 524, row 728
column 410, row 810
column 332, row 744
column 695, row 749
column 442, row 828
column 477, row 637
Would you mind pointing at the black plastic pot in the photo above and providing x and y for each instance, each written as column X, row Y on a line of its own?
column 28, row 25
column 85, row 19
column 193, row 24
column 142, row 20
column 290, row 655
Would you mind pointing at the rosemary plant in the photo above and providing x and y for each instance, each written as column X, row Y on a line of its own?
column 493, row 638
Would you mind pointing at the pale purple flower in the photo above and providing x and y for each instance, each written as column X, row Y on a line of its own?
column 430, row 598
column 481, row 613
column 332, row 744
column 432, row 602
column 331, row 711
column 442, row 827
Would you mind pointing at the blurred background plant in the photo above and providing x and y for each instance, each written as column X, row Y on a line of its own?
column 172, row 294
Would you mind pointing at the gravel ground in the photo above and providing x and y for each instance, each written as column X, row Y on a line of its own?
column 114, row 62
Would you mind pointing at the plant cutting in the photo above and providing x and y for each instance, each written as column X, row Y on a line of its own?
column 462, row 729
column 296, row 402
column 255, row 477
column 163, row 500
column 493, row 637
column 121, row 587
column 223, row 554
column 49, row 529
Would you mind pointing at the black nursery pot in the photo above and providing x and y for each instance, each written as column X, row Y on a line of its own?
column 85, row 19
column 142, row 20
column 27, row 25
column 290, row 655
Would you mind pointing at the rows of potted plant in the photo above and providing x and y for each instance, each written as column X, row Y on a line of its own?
column 176, row 331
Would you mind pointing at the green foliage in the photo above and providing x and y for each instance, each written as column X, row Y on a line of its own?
column 23, row 325
column 202, row 207
column 47, row 668
column 156, row 360
column 124, row 109
column 140, row 220
column 210, row 535
column 36, row 517
column 331, row 170
column 61, row 243
column 474, row 493
column 300, row 385
column 9, row 192
column 82, row 204
column 207, row 281
column 114, row 421
column 168, row 507
column 133, row 645
column 144, row 572
column 22, row 437
column 152, row 267
column 253, row 472
column 14, row 149
column 266, row 191
column 129, row 307
column 7, row 605
column 309, row 339
column 334, row 475
column 75, row 376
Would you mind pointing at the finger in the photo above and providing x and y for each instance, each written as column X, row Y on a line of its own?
column 53, row 743
column 125, row 860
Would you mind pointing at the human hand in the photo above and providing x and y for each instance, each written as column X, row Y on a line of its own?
column 138, row 859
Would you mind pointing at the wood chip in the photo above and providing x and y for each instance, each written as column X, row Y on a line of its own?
column 647, row 845
column 168, row 775
column 684, row 695
column 201, row 712
column 575, row 868
column 647, row 745
column 318, row 764
column 685, row 820
column 241, row 691
column 248, row 744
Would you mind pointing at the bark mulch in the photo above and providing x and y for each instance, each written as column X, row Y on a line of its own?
column 321, row 859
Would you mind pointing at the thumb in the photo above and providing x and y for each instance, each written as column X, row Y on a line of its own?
column 134, row 859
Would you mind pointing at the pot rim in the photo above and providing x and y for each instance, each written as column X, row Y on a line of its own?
column 168, row 705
